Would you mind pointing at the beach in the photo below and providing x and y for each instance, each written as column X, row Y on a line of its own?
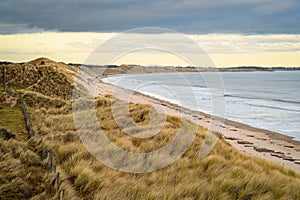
column 78, row 149
column 265, row 144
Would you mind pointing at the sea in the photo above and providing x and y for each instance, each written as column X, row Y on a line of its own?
column 267, row 100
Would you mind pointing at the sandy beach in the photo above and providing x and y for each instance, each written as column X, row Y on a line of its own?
column 250, row 140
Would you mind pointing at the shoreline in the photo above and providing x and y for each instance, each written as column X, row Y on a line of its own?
column 262, row 143
column 273, row 134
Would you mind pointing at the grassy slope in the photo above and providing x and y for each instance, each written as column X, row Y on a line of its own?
column 225, row 174
column 22, row 173
column 13, row 121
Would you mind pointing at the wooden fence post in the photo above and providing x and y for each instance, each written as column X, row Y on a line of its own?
column 44, row 151
column 26, row 116
column 57, row 181
column 62, row 194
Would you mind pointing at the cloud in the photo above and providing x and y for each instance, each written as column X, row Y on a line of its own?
column 275, row 7
column 224, row 49
column 238, row 44
column 190, row 16
column 18, row 28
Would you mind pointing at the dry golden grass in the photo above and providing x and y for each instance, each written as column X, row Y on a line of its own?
column 42, row 75
column 225, row 174
column 23, row 174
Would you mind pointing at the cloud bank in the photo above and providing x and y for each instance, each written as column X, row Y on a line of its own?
column 189, row 16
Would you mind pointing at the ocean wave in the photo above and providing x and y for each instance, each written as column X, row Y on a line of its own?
column 198, row 86
column 277, row 100
column 274, row 107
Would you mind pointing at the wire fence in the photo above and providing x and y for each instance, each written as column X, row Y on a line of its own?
column 56, row 183
column 52, row 168
column 27, row 119
column 46, row 155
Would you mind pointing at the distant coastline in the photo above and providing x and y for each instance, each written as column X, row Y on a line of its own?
column 156, row 69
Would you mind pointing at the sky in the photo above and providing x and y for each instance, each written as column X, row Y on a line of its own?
column 232, row 32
